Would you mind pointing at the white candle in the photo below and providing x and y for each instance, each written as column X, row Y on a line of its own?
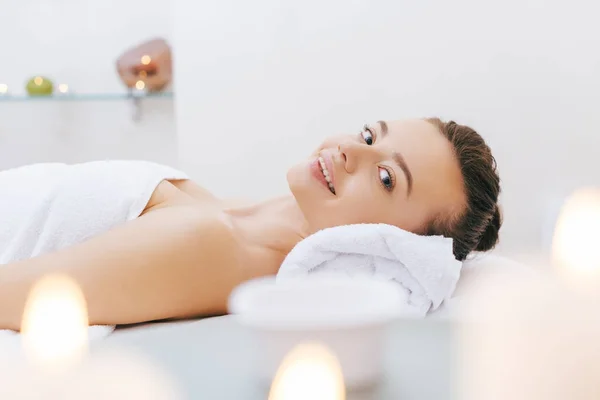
column 576, row 241
column 309, row 371
column 526, row 338
column 55, row 343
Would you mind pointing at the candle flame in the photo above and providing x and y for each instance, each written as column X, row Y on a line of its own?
column 55, row 324
column 38, row 80
column 309, row 371
column 146, row 59
column 576, row 237
column 140, row 85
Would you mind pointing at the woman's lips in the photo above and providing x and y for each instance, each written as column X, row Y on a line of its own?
column 329, row 164
column 315, row 169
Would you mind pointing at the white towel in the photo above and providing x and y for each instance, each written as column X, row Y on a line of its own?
column 47, row 207
column 423, row 266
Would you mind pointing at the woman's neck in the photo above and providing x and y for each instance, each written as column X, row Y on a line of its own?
column 276, row 224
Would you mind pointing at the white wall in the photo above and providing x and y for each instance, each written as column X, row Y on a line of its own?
column 259, row 83
column 77, row 42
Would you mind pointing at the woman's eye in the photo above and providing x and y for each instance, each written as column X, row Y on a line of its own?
column 386, row 178
column 367, row 137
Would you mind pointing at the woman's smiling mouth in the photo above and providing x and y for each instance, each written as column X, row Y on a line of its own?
column 328, row 176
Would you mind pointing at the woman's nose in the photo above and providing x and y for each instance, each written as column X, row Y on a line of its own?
column 350, row 154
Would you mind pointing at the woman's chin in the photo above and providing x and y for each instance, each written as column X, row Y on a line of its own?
column 298, row 176
column 292, row 177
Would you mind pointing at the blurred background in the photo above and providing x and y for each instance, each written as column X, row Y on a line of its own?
column 257, row 85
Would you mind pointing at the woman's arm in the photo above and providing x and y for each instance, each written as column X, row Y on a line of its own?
column 170, row 263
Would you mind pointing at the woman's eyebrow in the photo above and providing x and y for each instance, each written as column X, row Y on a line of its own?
column 399, row 160
column 384, row 128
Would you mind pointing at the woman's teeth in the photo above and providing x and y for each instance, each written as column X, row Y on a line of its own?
column 326, row 175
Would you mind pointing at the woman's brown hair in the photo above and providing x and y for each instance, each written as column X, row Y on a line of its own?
column 476, row 228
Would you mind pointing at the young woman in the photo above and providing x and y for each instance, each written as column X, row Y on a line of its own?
column 186, row 249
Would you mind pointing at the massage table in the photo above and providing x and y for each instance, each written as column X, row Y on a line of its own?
column 211, row 358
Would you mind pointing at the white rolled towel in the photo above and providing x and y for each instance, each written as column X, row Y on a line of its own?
column 423, row 266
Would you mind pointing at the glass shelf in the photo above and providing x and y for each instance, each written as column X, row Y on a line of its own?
column 87, row 97
column 134, row 98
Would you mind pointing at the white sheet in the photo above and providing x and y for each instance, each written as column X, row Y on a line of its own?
column 481, row 270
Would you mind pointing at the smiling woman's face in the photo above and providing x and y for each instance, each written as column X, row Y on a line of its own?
column 402, row 173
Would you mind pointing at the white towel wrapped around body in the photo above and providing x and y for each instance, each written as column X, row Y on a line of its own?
column 423, row 266
column 49, row 206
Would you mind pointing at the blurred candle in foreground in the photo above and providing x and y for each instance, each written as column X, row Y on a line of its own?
column 55, row 324
column 576, row 241
column 3, row 89
column 59, row 366
column 309, row 371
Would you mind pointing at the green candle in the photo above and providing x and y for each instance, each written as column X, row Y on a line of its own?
column 39, row 86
